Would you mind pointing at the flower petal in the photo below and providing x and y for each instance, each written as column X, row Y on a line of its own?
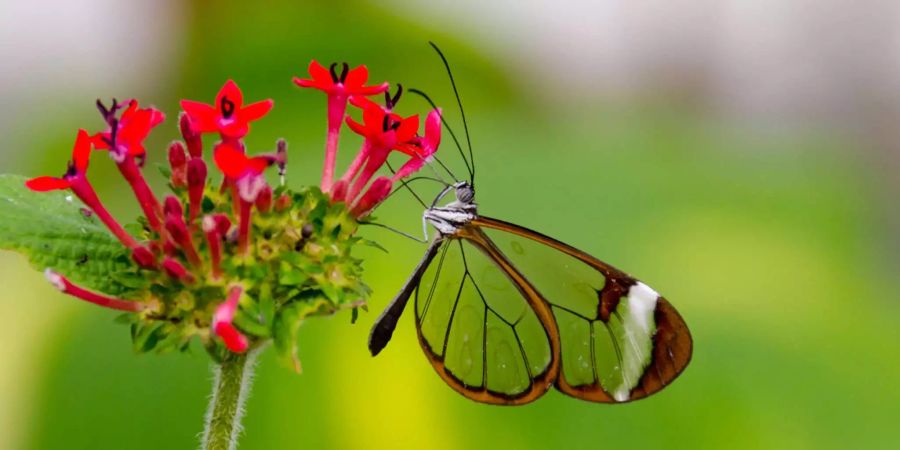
column 362, row 102
column 81, row 154
column 320, row 74
column 156, row 117
column 356, row 77
column 231, row 161
column 373, row 117
column 371, row 90
column 357, row 127
column 203, row 116
column 232, row 338
column 407, row 129
column 233, row 93
column 44, row 184
column 433, row 130
column 235, row 129
column 136, row 149
column 136, row 128
column 259, row 164
column 99, row 140
column 255, row 111
column 311, row 84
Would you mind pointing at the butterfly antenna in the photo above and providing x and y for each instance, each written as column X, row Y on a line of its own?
column 401, row 233
column 461, row 112
column 409, row 181
column 438, row 174
column 449, row 130
column 406, row 185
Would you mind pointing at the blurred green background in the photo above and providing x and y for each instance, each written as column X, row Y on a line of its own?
column 774, row 241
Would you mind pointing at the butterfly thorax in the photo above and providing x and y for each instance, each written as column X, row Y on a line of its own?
column 448, row 219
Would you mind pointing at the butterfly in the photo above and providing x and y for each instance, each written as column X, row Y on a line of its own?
column 504, row 313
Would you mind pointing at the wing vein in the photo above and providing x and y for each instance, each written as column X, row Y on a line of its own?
column 437, row 275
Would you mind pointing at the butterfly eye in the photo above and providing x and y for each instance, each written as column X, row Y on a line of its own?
column 465, row 193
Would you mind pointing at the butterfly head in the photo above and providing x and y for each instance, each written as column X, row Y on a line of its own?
column 450, row 217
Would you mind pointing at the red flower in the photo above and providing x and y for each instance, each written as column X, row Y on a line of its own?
column 67, row 287
column 75, row 179
column 420, row 152
column 236, row 165
column 349, row 82
column 132, row 128
column 78, row 166
column 222, row 322
column 383, row 129
column 244, row 174
column 229, row 116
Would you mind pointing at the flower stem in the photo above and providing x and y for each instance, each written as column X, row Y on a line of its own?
column 231, row 386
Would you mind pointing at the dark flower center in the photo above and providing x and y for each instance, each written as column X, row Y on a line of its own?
column 388, row 124
column 227, row 107
column 335, row 78
column 390, row 102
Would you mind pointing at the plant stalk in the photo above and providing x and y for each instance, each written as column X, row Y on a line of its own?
column 231, row 386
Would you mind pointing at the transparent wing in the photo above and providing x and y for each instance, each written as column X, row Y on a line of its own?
column 618, row 339
column 485, row 334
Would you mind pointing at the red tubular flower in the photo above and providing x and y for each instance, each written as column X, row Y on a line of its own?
column 379, row 190
column 67, row 287
column 228, row 116
column 176, row 270
column 214, row 242
column 75, row 179
column 223, row 224
column 338, row 88
column 131, row 129
column 144, row 257
column 178, row 163
column 421, row 151
column 284, row 202
column 383, row 132
column 264, row 200
column 182, row 236
column 196, row 178
column 245, row 176
column 191, row 137
column 222, row 322
column 125, row 141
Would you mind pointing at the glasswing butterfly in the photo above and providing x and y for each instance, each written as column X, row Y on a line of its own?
column 503, row 312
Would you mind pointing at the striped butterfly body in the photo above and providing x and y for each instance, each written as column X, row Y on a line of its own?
column 503, row 313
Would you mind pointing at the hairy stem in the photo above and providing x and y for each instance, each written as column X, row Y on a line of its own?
column 231, row 386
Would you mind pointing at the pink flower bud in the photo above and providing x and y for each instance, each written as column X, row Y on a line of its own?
column 178, row 163
column 379, row 190
column 176, row 270
column 264, row 200
column 191, row 136
column 196, row 178
column 144, row 257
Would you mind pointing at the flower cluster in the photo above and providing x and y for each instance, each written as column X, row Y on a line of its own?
column 236, row 261
column 382, row 130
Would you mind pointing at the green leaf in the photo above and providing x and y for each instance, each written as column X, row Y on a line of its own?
column 288, row 323
column 53, row 232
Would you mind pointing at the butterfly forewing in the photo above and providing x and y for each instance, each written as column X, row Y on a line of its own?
column 618, row 339
column 478, row 328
